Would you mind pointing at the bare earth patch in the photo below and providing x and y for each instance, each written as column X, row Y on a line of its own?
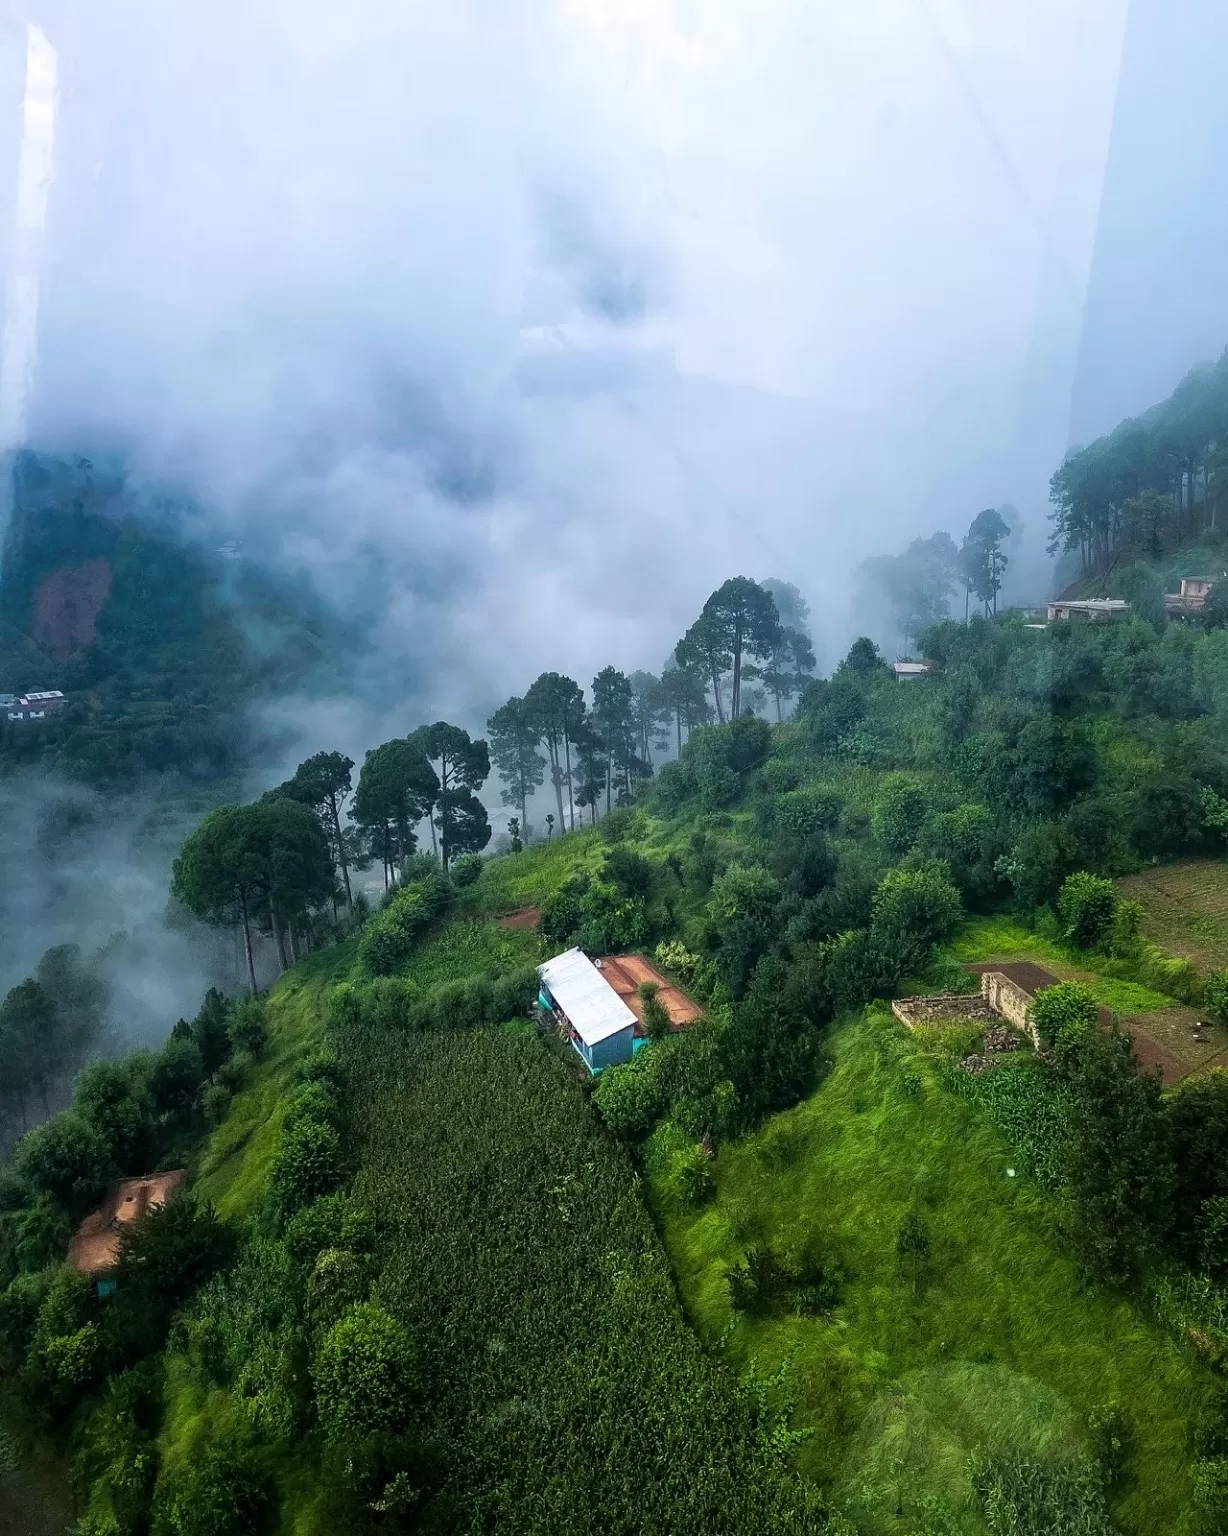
column 67, row 605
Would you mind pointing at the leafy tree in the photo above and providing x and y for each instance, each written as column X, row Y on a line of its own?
column 785, row 669
column 744, row 615
column 1118, row 1160
column 1065, row 1012
column 514, row 739
column 914, row 910
column 514, row 843
column 114, row 1098
column 916, row 585
column 325, row 782
column 742, row 913
column 65, row 1158
column 33, row 1049
column 555, row 704
column 397, row 787
column 649, row 716
column 1198, row 1123
column 365, row 1374
column 176, row 1078
column 299, row 865
column 462, row 766
column 771, row 1045
column 791, row 607
column 982, row 562
column 704, row 651
column 221, row 874
column 863, row 660
column 467, row 869
column 614, row 718
column 1088, row 906
column 899, row 813
column 309, row 1163
column 684, row 693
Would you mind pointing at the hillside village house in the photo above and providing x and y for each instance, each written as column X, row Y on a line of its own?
column 905, row 669
column 94, row 1250
column 599, row 1023
column 32, row 706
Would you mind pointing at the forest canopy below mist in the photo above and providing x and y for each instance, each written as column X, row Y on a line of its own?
column 795, row 1264
column 160, row 644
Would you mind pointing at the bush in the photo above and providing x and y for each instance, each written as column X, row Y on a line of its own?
column 248, row 1027
column 1064, row 1013
column 913, row 910
column 802, row 812
column 1088, row 906
column 674, row 956
column 66, row 1158
column 332, row 1221
column 389, row 937
column 309, row 1163
column 176, row 1077
column 630, row 1097
column 314, row 1101
column 1215, row 992
column 364, row 1374
column 466, row 870
column 610, row 921
column 219, row 1491
column 899, row 812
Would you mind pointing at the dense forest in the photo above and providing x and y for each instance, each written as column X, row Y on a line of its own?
column 793, row 1267
column 160, row 646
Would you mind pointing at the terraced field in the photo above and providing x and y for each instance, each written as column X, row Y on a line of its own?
column 1185, row 909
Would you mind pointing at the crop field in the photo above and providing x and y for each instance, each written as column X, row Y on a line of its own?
column 993, row 1340
column 567, row 1391
column 1185, row 909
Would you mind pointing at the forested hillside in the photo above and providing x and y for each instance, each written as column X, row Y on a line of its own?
column 799, row 1264
column 161, row 646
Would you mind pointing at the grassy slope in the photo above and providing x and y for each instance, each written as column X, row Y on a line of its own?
column 1185, row 908
column 1001, row 1346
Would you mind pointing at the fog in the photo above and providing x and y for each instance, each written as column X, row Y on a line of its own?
column 516, row 327
column 562, row 313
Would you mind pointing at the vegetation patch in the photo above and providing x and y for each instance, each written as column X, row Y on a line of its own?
column 985, row 1280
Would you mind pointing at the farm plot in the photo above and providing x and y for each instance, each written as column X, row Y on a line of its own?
column 1185, row 909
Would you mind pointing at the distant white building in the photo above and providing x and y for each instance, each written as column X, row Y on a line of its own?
column 599, row 1024
column 1093, row 609
column 905, row 670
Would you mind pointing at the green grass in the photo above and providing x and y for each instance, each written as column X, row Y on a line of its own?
column 1005, row 938
column 463, row 949
column 529, row 878
column 999, row 1343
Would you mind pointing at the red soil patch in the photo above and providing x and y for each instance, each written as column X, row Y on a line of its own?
column 526, row 917
column 1024, row 973
column 67, row 605
column 625, row 972
column 1151, row 1054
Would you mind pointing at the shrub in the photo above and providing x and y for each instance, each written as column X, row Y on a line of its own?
column 321, row 1067
column 628, row 871
column 466, row 870
column 674, row 956
column 386, row 1003
column 899, row 812
column 314, row 1101
column 1064, row 1013
column 66, row 1158
column 344, row 1006
column 219, row 1491
column 758, row 1284
column 248, row 1027
column 914, row 910
column 215, row 1104
column 802, row 812
column 389, row 937
column 1087, row 906
column 364, row 1374
column 742, row 911
column 1215, row 991
column 609, row 920
column 309, row 1163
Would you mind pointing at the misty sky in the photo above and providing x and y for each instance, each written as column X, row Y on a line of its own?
column 521, row 326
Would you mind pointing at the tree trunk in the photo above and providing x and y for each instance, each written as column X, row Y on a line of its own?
column 678, row 721
column 735, row 704
column 247, row 947
column 294, row 954
column 524, row 815
column 571, row 798
column 279, row 938
column 716, row 690
column 345, row 868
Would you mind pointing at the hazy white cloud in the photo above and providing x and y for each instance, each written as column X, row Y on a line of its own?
column 570, row 311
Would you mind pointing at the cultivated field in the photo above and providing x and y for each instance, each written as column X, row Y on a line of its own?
column 1185, row 909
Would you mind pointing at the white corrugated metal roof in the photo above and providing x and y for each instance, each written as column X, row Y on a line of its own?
column 591, row 1004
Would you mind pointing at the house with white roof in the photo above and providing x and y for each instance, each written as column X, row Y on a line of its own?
column 599, row 1023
